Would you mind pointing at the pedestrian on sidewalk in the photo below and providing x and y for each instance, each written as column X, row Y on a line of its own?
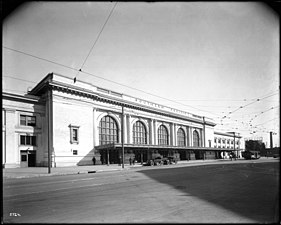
column 130, row 160
column 133, row 161
column 94, row 160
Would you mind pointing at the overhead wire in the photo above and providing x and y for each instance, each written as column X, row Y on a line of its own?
column 111, row 81
column 19, row 79
column 95, row 41
column 256, row 100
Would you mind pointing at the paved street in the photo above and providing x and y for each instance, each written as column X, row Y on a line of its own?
column 232, row 192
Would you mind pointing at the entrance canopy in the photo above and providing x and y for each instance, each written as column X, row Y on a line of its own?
column 159, row 147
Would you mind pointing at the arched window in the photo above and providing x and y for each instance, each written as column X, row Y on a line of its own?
column 163, row 135
column 139, row 133
column 195, row 139
column 181, row 137
column 108, row 131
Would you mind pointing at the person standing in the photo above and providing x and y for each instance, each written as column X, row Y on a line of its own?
column 94, row 160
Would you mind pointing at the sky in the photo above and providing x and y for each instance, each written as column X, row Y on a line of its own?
column 215, row 59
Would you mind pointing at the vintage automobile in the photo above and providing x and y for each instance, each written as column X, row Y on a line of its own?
column 169, row 160
column 158, row 161
column 250, row 155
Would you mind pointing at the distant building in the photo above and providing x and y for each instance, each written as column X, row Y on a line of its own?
column 270, row 152
column 67, row 123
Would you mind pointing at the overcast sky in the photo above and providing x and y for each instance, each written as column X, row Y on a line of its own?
column 209, row 58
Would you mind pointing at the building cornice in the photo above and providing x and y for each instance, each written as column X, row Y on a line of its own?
column 21, row 98
column 50, row 82
column 229, row 134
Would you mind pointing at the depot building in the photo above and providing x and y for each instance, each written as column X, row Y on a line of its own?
column 65, row 123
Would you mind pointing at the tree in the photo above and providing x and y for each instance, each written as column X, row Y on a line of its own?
column 254, row 145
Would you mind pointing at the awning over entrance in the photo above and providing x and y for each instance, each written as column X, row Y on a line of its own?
column 159, row 147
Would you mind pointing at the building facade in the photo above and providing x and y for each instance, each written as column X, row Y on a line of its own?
column 64, row 123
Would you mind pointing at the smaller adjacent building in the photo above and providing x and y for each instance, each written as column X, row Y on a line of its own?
column 229, row 140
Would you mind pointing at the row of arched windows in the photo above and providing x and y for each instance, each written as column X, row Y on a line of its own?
column 108, row 133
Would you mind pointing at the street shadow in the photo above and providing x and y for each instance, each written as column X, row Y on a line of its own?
column 250, row 190
column 87, row 159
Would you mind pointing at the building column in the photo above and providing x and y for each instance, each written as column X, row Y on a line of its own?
column 202, row 137
column 125, row 128
column 151, row 132
column 172, row 133
column 175, row 135
column 12, row 155
column 129, row 139
column 187, row 138
column 204, row 133
column 155, row 133
column 191, row 136
column 95, row 128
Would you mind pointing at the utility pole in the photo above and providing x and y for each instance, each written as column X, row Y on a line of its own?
column 236, row 155
column 50, row 129
column 271, row 140
column 122, row 136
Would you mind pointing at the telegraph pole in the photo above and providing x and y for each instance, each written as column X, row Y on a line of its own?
column 50, row 129
column 236, row 155
column 271, row 140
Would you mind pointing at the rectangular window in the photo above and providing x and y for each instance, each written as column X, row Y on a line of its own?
column 27, row 140
column 23, row 158
column 75, row 152
column 74, row 134
column 27, row 120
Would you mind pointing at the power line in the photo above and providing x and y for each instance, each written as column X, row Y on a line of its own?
column 50, row 61
column 263, row 112
column 90, row 74
column 256, row 100
column 20, row 79
column 96, row 39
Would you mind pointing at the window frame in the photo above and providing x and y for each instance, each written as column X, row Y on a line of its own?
column 139, row 133
column 108, row 130
column 163, row 138
column 74, row 130
column 196, row 138
column 26, row 120
column 28, row 140
column 181, row 139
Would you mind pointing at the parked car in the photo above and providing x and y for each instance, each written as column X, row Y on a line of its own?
column 172, row 159
column 169, row 160
column 149, row 163
column 158, row 161
column 250, row 155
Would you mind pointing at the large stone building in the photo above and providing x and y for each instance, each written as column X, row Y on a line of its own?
column 66, row 123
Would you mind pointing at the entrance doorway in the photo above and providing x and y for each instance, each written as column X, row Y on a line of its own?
column 141, row 156
column 199, row 154
column 31, row 159
column 28, row 158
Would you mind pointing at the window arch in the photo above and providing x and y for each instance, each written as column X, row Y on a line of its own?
column 163, row 135
column 181, row 137
column 196, row 139
column 108, row 131
column 139, row 133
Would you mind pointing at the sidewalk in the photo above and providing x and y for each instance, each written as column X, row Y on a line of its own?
column 43, row 171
